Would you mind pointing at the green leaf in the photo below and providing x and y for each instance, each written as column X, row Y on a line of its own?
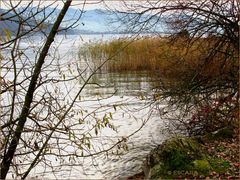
column 226, row 164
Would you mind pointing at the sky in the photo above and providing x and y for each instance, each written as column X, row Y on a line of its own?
column 87, row 4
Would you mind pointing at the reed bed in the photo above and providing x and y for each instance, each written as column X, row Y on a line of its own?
column 170, row 57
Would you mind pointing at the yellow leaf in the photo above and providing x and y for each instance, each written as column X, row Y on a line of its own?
column 8, row 34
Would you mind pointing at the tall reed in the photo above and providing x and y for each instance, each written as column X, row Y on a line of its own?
column 169, row 57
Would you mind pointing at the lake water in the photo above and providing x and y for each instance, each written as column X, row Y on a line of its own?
column 119, row 95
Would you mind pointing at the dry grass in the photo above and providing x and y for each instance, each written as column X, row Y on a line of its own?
column 170, row 58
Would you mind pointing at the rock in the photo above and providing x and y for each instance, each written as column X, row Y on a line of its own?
column 223, row 133
column 179, row 154
column 186, row 157
column 155, row 171
column 202, row 166
column 226, row 132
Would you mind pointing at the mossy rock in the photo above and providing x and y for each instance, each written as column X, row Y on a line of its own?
column 156, row 171
column 179, row 152
column 219, row 165
column 223, row 133
column 184, row 156
column 202, row 166
column 175, row 155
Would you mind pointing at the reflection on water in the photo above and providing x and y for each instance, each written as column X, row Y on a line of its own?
column 121, row 84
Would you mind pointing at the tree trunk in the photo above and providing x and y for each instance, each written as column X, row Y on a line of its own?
column 6, row 162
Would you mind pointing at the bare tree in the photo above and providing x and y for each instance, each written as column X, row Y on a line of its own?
column 13, row 137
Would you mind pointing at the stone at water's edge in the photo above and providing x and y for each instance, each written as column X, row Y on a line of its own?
column 202, row 165
column 185, row 156
column 175, row 156
column 223, row 133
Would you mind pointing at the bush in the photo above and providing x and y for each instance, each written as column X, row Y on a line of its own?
column 212, row 115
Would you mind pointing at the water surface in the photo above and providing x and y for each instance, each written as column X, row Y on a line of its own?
column 120, row 95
